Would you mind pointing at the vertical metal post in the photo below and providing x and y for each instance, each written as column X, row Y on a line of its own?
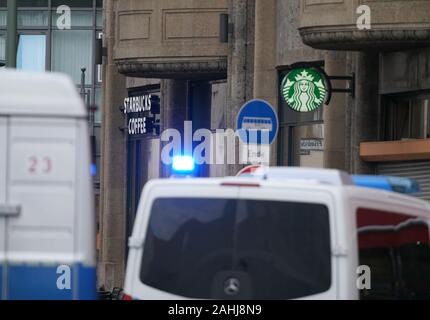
column 82, row 92
column 87, row 100
column 11, row 43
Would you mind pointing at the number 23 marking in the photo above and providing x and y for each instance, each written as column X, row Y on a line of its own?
column 44, row 165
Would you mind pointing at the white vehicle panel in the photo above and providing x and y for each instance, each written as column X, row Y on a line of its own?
column 42, row 170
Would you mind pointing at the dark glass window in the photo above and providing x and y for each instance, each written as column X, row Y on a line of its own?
column 32, row 3
column 396, row 248
column 275, row 250
column 73, row 3
column 406, row 118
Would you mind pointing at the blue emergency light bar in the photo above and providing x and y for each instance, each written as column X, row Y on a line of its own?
column 183, row 164
column 401, row 185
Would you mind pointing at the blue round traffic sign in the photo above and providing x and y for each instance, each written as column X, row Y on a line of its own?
column 257, row 122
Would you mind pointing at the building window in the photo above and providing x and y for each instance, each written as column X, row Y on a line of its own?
column 98, row 103
column 31, row 54
column 73, row 3
column 99, row 18
column 32, row 3
column 3, row 18
column 2, row 47
column 406, row 117
column 72, row 51
column 78, row 18
column 32, row 19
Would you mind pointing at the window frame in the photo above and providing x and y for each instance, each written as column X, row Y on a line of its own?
column 47, row 41
column 386, row 116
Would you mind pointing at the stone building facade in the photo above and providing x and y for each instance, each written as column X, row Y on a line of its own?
column 173, row 50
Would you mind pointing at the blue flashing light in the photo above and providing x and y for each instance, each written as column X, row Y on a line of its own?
column 401, row 185
column 183, row 164
column 404, row 185
column 93, row 170
column 376, row 182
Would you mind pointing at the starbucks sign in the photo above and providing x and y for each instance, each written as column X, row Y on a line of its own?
column 305, row 89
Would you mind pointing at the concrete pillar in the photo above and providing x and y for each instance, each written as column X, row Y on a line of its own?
column 240, row 65
column 265, row 58
column 334, row 114
column 111, row 259
column 265, row 75
column 365, row 115
column 174, row 111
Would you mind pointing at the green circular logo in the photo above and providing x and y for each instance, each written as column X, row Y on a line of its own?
column 304, row 89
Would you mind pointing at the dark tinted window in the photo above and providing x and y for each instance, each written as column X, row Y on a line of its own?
column 197, row 248
column 32, row 3
column 73, row 3
column 396, row 248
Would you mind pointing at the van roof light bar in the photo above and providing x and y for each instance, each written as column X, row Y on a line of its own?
column 396, row 184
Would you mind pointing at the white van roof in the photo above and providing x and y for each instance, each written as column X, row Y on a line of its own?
column 327, row 176
column 39, row 94
column 350, row 191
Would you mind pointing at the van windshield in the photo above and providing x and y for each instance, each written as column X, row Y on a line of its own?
column 237, row 249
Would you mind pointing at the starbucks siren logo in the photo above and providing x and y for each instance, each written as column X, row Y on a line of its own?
column 304, row 90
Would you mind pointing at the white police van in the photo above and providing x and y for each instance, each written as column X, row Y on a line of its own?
column 47, row 220
column 285, row 233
